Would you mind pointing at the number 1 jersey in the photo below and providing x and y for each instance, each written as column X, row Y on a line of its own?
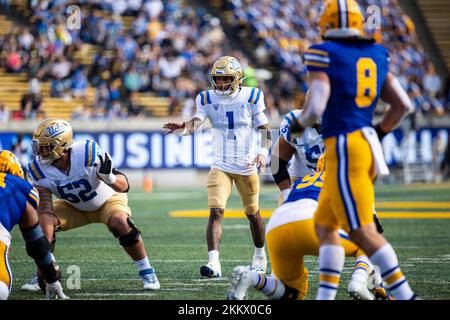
column 80, row 186
column 234, row 120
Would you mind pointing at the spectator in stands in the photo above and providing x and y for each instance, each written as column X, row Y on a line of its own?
column 31, row 104
column 4, row 113
column 431, row 81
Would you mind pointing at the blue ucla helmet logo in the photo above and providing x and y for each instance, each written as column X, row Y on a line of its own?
column 235, row 64
column 56, row 129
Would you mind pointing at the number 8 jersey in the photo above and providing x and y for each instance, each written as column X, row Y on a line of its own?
column 357, row 71
column 80, row 186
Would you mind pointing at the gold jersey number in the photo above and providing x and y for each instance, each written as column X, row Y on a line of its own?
column 366, row 82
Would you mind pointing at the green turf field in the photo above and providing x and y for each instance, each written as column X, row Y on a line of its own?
column 177, row 248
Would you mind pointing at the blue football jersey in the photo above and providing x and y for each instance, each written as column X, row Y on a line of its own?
column 308, row 187
column 14, row 195
column 357, row 71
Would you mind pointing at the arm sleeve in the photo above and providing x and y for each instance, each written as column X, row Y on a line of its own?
column 316, row 58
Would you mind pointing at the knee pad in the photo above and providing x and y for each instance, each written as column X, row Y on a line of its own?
column 37, row 245
column 4, row 291
column 129, row 239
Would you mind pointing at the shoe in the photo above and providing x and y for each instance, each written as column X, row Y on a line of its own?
column 150, row 280
column 241, row 280
column 375, row 285
column 211, row 270
column 358, row 290
column 32, row 285
column 259, row 264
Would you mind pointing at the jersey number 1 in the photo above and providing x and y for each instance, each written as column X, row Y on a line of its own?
column 230, row 118
column 366, row 82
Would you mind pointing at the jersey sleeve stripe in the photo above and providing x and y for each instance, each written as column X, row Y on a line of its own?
column 316, row 64
column 317, row 52
column 208, row 97
column 35, row 170
column 93, row 151
column 293, row 116
column 33, row 200
column 86, row 153
column 202, row 98
column 257, row 96
column 252, row 93
column 314, row 57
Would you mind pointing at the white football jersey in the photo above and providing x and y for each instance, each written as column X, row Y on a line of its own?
column 80, row 187
column 235, row 120
column 309, row 147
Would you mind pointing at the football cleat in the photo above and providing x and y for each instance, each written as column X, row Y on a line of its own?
column 211, row 270
column 32, row 285
column 241, row 280
column 259, row 263
column 150, row 280
column 358, row 290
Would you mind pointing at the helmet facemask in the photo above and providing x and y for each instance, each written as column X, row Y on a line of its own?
column 225, row 85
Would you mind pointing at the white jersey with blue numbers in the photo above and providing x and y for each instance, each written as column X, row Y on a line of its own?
column 309, row 147
column 80, row 187
column 234, row 120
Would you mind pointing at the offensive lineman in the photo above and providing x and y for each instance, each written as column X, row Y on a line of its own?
column 89, row 190
column 236, row 114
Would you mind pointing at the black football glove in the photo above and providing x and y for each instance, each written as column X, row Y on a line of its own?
column 378, row 223
column 105, row 169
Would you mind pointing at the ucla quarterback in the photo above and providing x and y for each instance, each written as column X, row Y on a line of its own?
column 18, row 203
column 348, row 73
column 89, row 190
column 237, row 116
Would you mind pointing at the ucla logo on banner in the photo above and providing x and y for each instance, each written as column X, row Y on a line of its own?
column 56, row 130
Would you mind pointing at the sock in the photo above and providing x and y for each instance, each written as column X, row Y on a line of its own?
column 396, row 283
column 144, row 266
column 331, row 262
column 260, row 251
column 270, row 286
column 362, row 269
column 213, row 256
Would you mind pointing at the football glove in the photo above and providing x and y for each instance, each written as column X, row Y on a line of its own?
column 104, row 170
column 55, row 291
column 377, row 222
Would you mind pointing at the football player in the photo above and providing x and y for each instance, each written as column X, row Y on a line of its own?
column 348, row 73
column 236, row 114
column 89, row 190
column 290, row 237
column 18, row 203
column 303, row 152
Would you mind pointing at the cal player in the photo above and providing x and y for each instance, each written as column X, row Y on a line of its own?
column 236, row 114
column 348, row 73
column 18, row 203
column 89, row 190
column 290, row 237
column 302, row 153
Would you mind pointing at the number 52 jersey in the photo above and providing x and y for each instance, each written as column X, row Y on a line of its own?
column 80, row 186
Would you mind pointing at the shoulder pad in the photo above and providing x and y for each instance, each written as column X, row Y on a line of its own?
column 35, row 171
column 254, row 96
column 205, row 97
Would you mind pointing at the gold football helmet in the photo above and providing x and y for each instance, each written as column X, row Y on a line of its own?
column 341, row 18
column 10, row 164
column 51, row 138
column 229, row 69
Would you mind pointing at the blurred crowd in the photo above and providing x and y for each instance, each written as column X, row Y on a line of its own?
column 166, row 49
column 284, row 29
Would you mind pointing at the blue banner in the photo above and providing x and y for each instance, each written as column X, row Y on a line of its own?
column 154, row 150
